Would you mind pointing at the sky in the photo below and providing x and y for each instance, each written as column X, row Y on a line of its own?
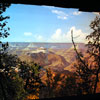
column 31, row 23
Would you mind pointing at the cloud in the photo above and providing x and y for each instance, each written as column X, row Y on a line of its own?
column 39, row 38
column 57, row 34
column 77, row 13
column 78, row 35
column 60, row 14
column 96, row 13
column 49, row 7
column 28, row 34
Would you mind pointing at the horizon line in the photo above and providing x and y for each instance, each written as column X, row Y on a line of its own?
column 46, row 42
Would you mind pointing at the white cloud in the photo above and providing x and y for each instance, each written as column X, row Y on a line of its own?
column 96, row 13
column 57, row 35
column 49, row 7
column 39, row 38
column 28, row 34
column 78, row 35
column 60, row 14
column 77, row 13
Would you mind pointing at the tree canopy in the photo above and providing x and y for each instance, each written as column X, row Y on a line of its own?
column 88, row 68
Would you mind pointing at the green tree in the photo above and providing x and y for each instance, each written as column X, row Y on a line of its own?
column 84, row 76
column 17, row 78
column 94, row 48
column 49, row 82
column 29, row 72
column 54, row 83
column 88, row 70
column 3, row 26
column 9, row 82
column 58, row 85
column 11, row 86
column 70, row 87
column 83, row 72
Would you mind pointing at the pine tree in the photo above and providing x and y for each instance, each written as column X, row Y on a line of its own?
column 11, row 86
column 87, row 70
column 94, row 48
column 29, row 72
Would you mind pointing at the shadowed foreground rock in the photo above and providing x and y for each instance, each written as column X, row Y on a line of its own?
column 80, row 97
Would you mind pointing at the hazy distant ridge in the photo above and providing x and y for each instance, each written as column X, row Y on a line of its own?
column 44, row 45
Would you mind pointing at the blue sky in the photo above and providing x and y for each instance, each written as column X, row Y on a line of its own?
column 31, row 23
